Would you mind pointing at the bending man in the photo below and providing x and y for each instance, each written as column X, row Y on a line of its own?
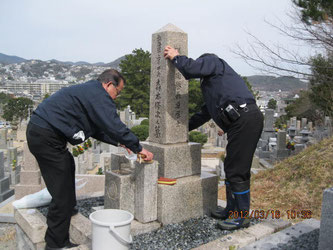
column 233, row 108
column 74, row 114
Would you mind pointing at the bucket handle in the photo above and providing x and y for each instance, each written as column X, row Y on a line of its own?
column 120, row 237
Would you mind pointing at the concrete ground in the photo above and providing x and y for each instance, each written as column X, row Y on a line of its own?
column 7, row 236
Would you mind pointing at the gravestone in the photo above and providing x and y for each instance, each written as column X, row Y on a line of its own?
column 168, row 137
column 3, row 138
column 281, row 152
column 268, row 130
column 304, row 123
column 326, row 221
column 12, row 165
column 30, row 176
column 5, row 191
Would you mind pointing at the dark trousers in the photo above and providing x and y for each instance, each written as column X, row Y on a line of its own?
column 58, row 170
column 243, row 136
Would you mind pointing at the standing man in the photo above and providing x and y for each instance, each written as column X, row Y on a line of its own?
column 72, row 115
column 233, row 108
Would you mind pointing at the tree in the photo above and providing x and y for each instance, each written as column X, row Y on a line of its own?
column 315, row 11
column 47, row 95
column 249, row 86
column 196, row 136
column 141, row 131
column 271, row 104
column 17, row 109
column 136, row 70
column 195, row 99
column 321, row 82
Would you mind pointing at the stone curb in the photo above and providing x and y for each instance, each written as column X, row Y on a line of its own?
column 285, row 235
column 246, row 236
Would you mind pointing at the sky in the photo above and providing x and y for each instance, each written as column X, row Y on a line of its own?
column 104, row 30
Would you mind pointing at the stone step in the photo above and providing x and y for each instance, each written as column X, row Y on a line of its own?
column 282, row 237
column 244, row 237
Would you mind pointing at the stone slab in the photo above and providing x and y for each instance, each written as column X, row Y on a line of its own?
column 145, row 203
column 30, row 177
column 282, row 237
column 138, row 228
column 80, row 229
column 190, row 197
column 23, row 190
column 24, row 243
column 176, row 160
column 2, row 166
column 117, row 159
column 7, row 218
column 119, row 191
column 32, row 222
column 326, row 224
column 243, row 237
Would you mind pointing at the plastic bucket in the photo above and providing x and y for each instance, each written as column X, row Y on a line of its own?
column 111, row 229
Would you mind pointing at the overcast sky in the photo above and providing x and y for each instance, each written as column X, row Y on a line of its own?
column 104, row 30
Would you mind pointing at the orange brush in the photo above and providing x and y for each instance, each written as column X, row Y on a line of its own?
column 166, row 181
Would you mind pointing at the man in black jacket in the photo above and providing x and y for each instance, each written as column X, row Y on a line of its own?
column 72, row 115
column 231, row 105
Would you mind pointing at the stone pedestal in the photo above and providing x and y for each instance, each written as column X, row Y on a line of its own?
column 176, row 160
column 190, row 197
column 132, row 187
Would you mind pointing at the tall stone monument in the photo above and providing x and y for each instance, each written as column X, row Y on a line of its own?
column 194, row 192
column 5, row 191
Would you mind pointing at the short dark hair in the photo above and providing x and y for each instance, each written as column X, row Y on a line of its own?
column 111, row 75
column 207, row 54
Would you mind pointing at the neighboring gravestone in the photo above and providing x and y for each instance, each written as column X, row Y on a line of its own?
column 12, row 165
column 304, row 123
column 326, row 221
column 281, row 152
column 5, row 192
column 268, row 130
column 3, row 138
column 30, row 176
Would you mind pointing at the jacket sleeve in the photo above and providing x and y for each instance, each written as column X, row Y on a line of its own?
column 198, row 68
column 105, row 117
column 199, row 118
column 104, row 138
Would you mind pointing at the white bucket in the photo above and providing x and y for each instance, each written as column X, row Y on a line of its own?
column 111, row 229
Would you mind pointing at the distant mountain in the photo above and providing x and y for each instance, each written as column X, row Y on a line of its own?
column 272, row 83
column 10, row 59
column 15, row 59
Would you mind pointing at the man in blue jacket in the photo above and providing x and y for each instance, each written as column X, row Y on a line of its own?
column 231, row 105
column 74, row 114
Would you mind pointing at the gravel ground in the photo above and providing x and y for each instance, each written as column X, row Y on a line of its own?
column 307, row 241
column 185, row 235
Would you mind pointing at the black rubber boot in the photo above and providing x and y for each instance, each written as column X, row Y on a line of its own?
column 68, row 246
column 223, row 213
column 241, row 192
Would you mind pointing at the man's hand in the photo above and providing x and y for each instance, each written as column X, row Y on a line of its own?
column 170, row 53
column 148, row 155
column 220, row 132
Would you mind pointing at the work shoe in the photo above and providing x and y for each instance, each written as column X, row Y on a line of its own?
column 75, row 211
column 241, row 193
column 68, row 245
column 224, row 213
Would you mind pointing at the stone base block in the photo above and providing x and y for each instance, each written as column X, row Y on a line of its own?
column 119, row 190
column 24, row 243
column 80, row 229
column 190, row 197
column 264, row 154
column 4, row 184
column 138, row 228
column 4, row 196
column 30, row 177
column 176, row 160
column 117, row 159
column 32, row 223
column 23, row 190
